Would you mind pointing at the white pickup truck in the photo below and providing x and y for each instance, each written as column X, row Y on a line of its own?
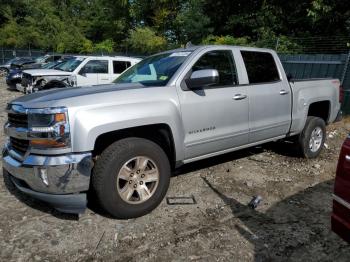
column 79, row 71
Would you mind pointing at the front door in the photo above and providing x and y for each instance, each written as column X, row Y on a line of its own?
column 93, row 72
column 215, row 118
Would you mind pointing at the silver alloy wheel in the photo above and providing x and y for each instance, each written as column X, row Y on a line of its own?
column 137, row 180
column 315, row 141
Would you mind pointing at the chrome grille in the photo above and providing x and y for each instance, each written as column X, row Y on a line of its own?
column 19, row 145
column 18, row 120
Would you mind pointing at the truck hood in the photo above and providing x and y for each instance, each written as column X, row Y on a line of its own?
column 74, row 96
column 47, row 72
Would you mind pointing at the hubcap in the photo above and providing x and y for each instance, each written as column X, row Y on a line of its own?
column 137, row 180
column 316, row 139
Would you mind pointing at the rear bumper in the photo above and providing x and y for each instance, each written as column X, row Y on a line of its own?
column 58, row 180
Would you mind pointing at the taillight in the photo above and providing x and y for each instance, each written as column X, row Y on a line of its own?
column 341, row 94
column 336, row 83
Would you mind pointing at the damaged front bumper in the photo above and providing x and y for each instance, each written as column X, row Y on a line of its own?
column 61, row 181
column 20, row 88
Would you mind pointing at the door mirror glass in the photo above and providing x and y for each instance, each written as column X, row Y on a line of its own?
column 203, row 78
column 82, row 71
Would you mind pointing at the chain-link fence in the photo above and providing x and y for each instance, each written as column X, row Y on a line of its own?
column 308, row 45
column 9, row 53
column 303, row 66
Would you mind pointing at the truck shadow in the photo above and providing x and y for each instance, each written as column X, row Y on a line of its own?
column 284, row 148
column 296, row 228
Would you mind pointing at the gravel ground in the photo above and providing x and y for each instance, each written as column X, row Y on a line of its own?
column 291, row 223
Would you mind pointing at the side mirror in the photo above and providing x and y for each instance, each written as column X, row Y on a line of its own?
column 203, row 78
column 289, row 77
column 82, row 72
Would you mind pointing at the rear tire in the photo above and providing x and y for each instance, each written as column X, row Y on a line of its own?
column 312, row 138
column 131, row 177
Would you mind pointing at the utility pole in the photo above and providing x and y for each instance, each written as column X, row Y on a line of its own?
column 3, row 55
column 277, row 43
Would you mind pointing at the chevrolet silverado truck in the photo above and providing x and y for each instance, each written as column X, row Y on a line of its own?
column 118, row 143
column 78, row 71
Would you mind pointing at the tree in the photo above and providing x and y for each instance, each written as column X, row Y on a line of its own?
column 80, row 26
column 105, row 46
column 227, row 40
column 191, row 22
column 145, row 40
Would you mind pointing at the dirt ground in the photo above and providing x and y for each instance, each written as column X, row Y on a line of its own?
column 291, row 223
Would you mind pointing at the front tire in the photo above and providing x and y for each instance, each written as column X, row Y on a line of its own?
column 312, row 138
column 131, row 177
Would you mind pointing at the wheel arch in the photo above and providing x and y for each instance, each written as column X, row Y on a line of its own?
column 161, row 134
column 320, row 109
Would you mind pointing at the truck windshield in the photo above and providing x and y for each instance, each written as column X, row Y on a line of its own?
column 70, row 65
column 155, row 70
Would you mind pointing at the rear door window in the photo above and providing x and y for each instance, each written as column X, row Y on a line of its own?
column 120, row 66
column 261, row 67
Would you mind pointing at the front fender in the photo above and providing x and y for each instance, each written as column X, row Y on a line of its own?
column 89, row 124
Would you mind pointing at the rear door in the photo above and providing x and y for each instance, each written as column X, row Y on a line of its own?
column 269, row 97
column 215, row 118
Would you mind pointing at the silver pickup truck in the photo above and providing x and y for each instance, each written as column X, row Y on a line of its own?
column 118, row 143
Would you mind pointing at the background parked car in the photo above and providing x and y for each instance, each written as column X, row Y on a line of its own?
column 341, row 197
column 5, row 68
column 80, row 71
column 35, row 63
column 15, row 75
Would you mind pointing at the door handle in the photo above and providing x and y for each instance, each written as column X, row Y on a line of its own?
column 283, row 92
column 239, row 97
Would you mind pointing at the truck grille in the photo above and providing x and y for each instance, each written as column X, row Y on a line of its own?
column 19, row 145
column 18, row 120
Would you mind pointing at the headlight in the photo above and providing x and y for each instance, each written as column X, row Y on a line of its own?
column 49, row 128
